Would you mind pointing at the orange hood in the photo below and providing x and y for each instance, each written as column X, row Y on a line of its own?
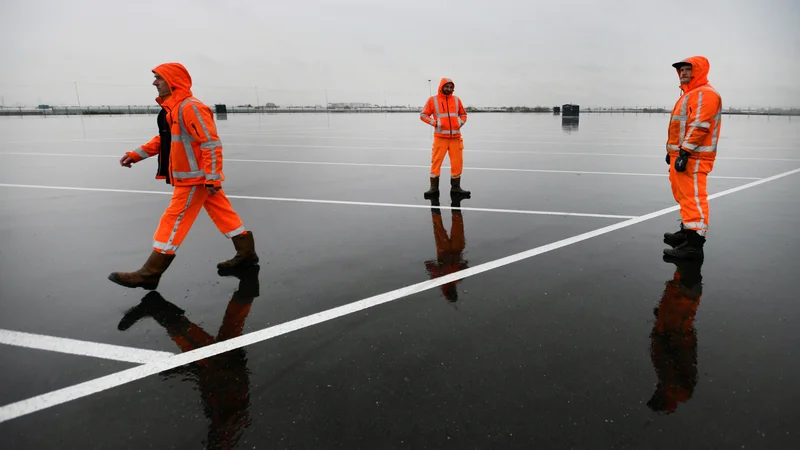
column 443, row 82
column 700, row 67
column 177, row 78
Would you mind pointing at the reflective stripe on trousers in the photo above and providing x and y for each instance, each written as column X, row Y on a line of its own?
column 690, row 189
column 182, row 211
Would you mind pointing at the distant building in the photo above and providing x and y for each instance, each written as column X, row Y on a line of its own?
column 570, row 110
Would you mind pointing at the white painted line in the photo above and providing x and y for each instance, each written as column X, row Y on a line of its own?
column 70, row 155
column 82, row 348
column 330, row 202
column 60, row 396
column 395, row 166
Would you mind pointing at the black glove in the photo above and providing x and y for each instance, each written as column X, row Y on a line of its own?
column 682, row 160
column 667, row 158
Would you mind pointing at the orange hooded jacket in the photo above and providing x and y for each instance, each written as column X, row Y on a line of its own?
column 697, row 115
column 195, row 156
column 449, row 113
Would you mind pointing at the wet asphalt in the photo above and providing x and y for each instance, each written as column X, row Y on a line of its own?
column 563, row 350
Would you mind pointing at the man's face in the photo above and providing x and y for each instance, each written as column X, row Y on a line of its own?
column 685, row 74
column 448, row 88
column 161, row 85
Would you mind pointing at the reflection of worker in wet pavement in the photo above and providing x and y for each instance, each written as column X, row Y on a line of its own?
column 449, row 250
column 224, row 380
column 673, row 341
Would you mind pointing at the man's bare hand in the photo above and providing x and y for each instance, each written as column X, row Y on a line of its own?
column 126, row 161
column 212, row 190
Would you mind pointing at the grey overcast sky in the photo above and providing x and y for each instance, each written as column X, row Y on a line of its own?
column 500, row 52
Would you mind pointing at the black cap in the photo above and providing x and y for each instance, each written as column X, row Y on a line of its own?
column 680, row 64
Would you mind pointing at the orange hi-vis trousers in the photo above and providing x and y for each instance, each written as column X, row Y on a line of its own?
column 441, row 147
column 179, row 216
column 690, row 191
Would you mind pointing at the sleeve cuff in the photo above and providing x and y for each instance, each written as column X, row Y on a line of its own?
column 138, row 154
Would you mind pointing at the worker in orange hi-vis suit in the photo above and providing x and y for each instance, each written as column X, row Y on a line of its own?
column 449, row 250
column 446, row 114
column 694, row 131
column 190, row 159
column 223, row 380
column 673, row 340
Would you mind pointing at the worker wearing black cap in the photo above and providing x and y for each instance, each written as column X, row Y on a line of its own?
column 694, row 131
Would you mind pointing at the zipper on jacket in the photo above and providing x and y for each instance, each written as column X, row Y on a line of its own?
column 449, row 121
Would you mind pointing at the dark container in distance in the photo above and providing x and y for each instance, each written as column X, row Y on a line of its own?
column 571, row 110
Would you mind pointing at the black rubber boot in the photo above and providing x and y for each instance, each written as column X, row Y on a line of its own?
column 455, row 187
column 691, row 248
column 675, row 239
column 434, row 190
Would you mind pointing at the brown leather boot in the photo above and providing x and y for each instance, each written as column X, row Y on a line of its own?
column 434, row 190
column 148, row 276
column 245, row 253
column 455, row 187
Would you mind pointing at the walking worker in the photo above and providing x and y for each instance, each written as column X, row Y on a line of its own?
column 190, row 159
column 446, row 114
column 694, row 130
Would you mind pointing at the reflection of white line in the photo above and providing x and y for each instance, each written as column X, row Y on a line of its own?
column 656, row 154
column 83, row 348
column 330, row 202
column 469, row 141
column 659, row 155
column 395, row 166
column 90, row 387
column 496, row 169
column 123, row 139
